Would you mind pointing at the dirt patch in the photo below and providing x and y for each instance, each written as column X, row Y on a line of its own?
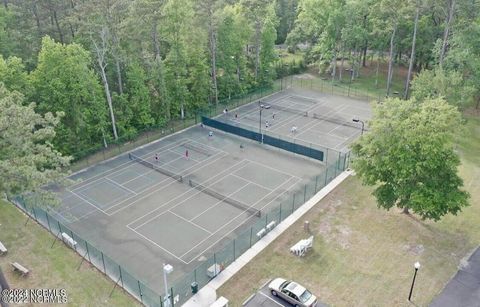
column 414, row 249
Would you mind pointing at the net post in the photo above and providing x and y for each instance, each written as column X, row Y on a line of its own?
column 234, row 258
column 316, row 183
column 280, row 214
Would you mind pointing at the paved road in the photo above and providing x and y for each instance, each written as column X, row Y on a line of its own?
column 263, row 298
column 464, row 289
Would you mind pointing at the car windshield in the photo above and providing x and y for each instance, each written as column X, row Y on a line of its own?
column 305, row 296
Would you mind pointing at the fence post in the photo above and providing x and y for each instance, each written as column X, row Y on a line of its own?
column 121, row 278
column 103, row 261
column 280, row 214
column 88, row 253
column 293, row 203
column 172, row 302
column 251, row 232
column 140, row 291
column 305, row 194
column 48, row 222
column 326, row 173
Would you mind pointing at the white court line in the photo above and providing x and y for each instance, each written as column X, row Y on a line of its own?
column 340, row 108
column 228, row 233
column 172, row 181
column 141, row 175
column 249, row 181
column 255, row 110
column 350, row 138
column 167, row 179
column 180, row 195
column 87, row 201
column 156, row 244
column 107, row 204
column 181, row 155
column 188, row 221
column 296, row 117
column 115, row 170
column 260, row 292
column 119, row 185
column 220, row 201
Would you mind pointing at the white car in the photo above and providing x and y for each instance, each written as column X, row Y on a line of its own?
column 292, row 292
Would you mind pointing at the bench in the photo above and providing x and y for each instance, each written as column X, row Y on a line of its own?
column 20, row 268
column 302, row 247
column 3, row 249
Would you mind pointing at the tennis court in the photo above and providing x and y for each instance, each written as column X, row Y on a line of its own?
column 183, row 198
column 320, row 119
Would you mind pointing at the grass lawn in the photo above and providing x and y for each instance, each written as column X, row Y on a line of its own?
column 364, row 256
column 52, row 267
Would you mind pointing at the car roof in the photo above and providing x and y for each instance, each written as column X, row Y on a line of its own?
column 295, row 288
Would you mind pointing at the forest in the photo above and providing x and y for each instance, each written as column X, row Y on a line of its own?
column 108, row 69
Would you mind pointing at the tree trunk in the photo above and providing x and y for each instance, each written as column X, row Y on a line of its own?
column 446, row 31
column 376, row 70
column 37, row 19
column 119, row 75
column 390, row 61
column 412, row 56
column 213, row 54
column 156, row 44
column 257, row 47
column 58, row 26
column 101, row 64
column 341, row 65
column 364, row 63
column 405, row 210
column 109, row 97
column 365, row 46
column 334, row 65
column 5, row 3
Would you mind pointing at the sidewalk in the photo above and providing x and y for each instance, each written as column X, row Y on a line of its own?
column 207, row 295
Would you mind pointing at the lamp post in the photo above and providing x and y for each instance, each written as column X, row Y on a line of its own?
column 417, row 266
column 356, row 120
column 167, row 269
column 260, row 122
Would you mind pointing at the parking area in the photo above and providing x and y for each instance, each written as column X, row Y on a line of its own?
column 264, row 298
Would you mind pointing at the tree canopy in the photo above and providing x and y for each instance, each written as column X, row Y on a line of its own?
column 28, row 159
column 408, row 157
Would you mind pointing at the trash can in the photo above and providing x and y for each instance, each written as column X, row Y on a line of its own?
column 194, row 286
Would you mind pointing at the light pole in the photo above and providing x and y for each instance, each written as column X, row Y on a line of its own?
column 260, row 122
column 356, row 120
column 167, row 269
column 417, row 266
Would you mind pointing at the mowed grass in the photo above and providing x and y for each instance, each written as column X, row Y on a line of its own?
column 364, row 256
column 52, row 268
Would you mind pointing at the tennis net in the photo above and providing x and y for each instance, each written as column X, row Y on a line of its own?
column 224, row 198
column 336, row 121
column 155, row 167
column 298, row 112
column 197, row 149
